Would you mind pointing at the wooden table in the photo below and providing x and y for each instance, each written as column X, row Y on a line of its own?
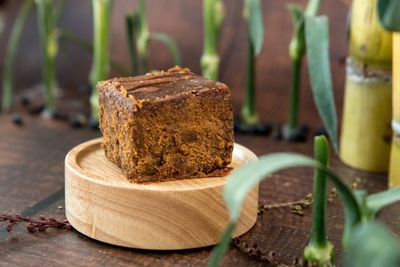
column 32, row 156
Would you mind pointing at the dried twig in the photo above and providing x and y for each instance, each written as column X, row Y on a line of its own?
column 34, row 225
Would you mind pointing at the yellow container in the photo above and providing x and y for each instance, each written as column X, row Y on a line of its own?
column 366, row 123
column 370, row 44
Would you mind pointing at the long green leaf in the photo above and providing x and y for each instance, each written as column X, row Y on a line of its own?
column 378, row 201
column 12, row 45
column 389, row 14
column 242, row 180
column 171, row 44
column 253, row 14
column 372, row 245
column 220, row 250
column 317, row 43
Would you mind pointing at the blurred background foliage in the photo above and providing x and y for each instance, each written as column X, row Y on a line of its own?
column 182, row 20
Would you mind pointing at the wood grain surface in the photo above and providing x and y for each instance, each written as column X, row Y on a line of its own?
column 32, row 156
column 102, row 203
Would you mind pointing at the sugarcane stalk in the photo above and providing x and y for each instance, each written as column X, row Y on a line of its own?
column 213, row 15
column 370, row 44
column 101, row 57
column 394, row 170
column 367, row 113
column 319, row 249
column 11, row 51
column 366, row 130
column 49, row 46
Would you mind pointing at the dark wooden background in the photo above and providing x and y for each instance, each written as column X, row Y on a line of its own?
column 31, row 156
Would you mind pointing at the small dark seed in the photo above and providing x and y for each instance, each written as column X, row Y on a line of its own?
column 25, row 101
column 16, row 118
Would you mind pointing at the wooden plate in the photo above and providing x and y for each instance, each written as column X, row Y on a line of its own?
column 102, row 204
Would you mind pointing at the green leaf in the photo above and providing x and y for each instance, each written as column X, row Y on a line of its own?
column 378, row 201
column 371, row 245
column 389, row 14
column 253, row 14
column 242, row 180
column 11, row 52
column 220, row 250
column 317, row 43
column 171, row 44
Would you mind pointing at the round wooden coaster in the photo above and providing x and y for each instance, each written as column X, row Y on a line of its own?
column 102, row 204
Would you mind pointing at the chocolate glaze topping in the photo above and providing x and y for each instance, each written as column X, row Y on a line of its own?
column 161, row 84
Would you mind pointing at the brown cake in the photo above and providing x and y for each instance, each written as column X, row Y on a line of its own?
column 167, row 125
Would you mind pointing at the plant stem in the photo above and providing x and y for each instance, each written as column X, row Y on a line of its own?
column 212, row 21
column 321, row 152
column 9, row 59
column 49, row 44
column 143, row 38
column 249, row 113
column 100, row 66
column 294, row 93
column 319, row 249
column 313, row 7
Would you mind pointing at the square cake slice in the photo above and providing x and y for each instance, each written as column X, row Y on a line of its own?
column 167, row 125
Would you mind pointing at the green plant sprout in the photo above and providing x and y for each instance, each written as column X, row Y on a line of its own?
column 317, row 41
column 297, row 50
column 319, row 249
column 213, row 17
column 249, row 121
column 11, row 51
column 101, row 56
column 49, row 15
column 360, row 210
column 138, row 38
